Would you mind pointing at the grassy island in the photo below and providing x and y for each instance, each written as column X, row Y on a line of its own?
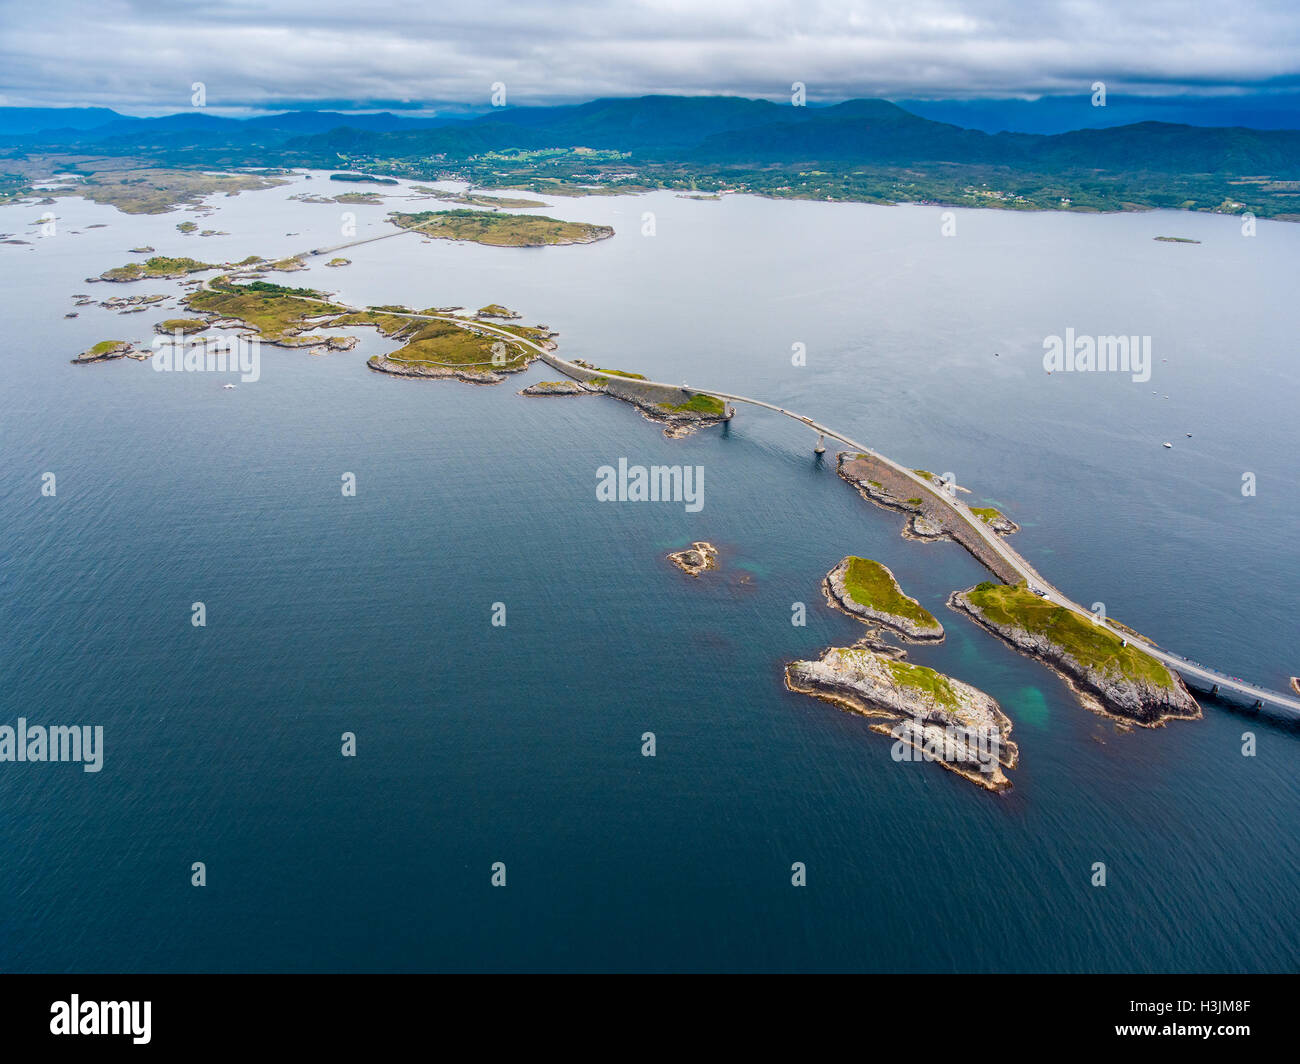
column 184, row 325
column 496, row 310
column 471, row 199
column 935, row 685
column 279, row 314
column 870, row 584
column 442, row 344
column 867, row 590
column 158, row 266
column 1088, row 643
column 158, row 190
column 500, row 230
column 363, row 178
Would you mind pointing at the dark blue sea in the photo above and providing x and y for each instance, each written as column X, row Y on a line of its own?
column 522, row 744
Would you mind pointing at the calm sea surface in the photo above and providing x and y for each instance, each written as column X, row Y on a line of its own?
column 522, row 744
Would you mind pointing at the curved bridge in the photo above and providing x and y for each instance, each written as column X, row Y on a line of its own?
column 1218, row 682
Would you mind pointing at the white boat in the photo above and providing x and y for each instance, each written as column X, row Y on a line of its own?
column 1168, row 445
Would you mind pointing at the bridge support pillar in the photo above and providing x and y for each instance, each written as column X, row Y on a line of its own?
column 1215, row 690
column 1259, row 704
column 821, row 444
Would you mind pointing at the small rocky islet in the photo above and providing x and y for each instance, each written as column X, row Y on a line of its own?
column 699, row 557
column 932, row 716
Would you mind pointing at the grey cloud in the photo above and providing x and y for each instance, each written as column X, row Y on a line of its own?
column 144, row 55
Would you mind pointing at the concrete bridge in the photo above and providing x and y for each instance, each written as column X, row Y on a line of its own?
column 1201, row 676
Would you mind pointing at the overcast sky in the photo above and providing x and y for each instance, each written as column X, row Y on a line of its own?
column 142, row 56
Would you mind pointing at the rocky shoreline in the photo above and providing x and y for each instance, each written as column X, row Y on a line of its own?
column 108, row 351
column 957, row 725
column 698, row 557
column 1130, row 699
column 559, row 388
column 931, row 517
column 425, row 371
column 838, row 596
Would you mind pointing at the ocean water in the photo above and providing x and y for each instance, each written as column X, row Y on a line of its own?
column 522, row 744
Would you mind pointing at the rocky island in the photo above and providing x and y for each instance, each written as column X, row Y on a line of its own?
column 867, row 590
column 559, row 388
column 932, row 514
column 500, row 230
column 697, row 558
column 159, row 267
column 930, row 716
column 680, row 410
column 105, row 351
column 1109, row 675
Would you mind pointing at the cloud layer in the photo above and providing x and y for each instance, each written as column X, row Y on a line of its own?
column 140, row 55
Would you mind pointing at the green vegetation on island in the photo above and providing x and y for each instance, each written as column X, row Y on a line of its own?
column 871, row 585
column 277, row 313
column 470, row 199
column 935, row 685
column 1090, row 644
column 500, row 230
column 696, row 404
column 609, row 372
column 159, row 190
column 183, row 325
column 444, row 345
column 160, row 266
column 363, row 179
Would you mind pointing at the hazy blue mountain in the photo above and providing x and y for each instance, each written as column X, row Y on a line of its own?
column 696, row 134
column 22, row 120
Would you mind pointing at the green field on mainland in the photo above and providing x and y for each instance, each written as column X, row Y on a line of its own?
column 870, row 584
column 500, row 230
column 158, row 266
column 1086, row 642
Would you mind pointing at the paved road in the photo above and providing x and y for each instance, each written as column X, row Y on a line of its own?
column 996, row 543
